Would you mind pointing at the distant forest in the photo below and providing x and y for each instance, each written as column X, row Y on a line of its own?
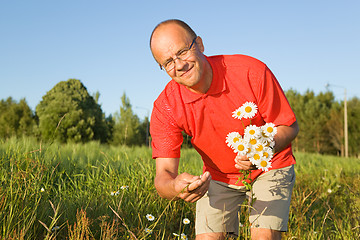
column 68, row 113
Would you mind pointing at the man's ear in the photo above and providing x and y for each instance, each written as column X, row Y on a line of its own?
column 200, row 44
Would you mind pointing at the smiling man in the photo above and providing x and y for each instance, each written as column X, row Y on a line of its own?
column 199, row 100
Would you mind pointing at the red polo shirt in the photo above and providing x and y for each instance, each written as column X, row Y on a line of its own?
column 207, row 118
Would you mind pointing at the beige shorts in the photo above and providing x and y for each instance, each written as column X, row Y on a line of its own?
column 218, row 209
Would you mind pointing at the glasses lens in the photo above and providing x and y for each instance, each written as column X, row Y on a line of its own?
column 169, row 65
column 183, row 56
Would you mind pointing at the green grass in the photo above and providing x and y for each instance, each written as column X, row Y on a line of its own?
column 68, row 188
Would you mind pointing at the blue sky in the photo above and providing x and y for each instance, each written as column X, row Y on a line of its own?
column 105, row 44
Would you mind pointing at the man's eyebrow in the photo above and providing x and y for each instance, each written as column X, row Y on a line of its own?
column 177, row 53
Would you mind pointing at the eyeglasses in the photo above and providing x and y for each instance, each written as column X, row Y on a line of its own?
column 182, row 55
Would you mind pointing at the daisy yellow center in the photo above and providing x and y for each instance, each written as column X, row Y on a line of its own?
column 252, row 131
column 238, row 113
column 236, row 139
column 241, row 147
column 259, row 148
column 270, row 129
column 256, row 157
column 263, row 163
column 248, row 109
column 253, row 141
column 266, row 154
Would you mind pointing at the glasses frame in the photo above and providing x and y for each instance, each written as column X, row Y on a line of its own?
column 177, row 57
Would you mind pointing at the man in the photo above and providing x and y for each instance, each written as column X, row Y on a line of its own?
column 200, row 99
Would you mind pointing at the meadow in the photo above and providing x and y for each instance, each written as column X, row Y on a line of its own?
column 94, row 191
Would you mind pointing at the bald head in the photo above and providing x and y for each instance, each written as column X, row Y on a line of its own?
column 167, row 25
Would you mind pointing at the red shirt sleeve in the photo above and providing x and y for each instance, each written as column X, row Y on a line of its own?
column 272, row 102
column 166, row 134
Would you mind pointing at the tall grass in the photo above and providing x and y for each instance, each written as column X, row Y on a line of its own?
column 93, row 191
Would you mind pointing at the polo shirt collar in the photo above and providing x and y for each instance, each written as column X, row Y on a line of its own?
column 218, row 84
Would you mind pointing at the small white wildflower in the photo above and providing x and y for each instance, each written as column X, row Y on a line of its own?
column 329, row 190
column 148, row 230
column 252, row 131
column 186, row 221
column 256, row 159
column 249, row 109
column 114, row 193
column 124, row 187
column 268, row 153
column 269, row 130
column 264, row 165
column 241, row 147
column 238, row 113
column 150, row 217
column 42, row 189
column 232, row 138
column 183, row 236
column 55, row 228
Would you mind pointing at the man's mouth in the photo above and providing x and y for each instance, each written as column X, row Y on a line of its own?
column 186, row 72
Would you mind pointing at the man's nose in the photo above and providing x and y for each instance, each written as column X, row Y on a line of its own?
column 179, row 63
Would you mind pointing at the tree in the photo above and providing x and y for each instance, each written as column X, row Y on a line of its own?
column 354, row 126
column 335, row 126
column 127, row 128
column 68, row 113
column 16, row 119
column 313, row 113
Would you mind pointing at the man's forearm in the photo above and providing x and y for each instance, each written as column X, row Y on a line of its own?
column 164, row 185
column 285, row 135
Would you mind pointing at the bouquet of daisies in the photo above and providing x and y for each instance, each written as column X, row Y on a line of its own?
column 258, row 141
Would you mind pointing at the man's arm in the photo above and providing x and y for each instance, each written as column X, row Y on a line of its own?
column 283, row 137
column 171, row 185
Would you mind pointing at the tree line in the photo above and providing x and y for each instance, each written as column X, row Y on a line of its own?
column 68, row 113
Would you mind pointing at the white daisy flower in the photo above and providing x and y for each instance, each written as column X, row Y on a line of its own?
column 259, row 147
column 124, row 187
column 252, row 131
column 253, row 141
column 232, row 138
column 250, row 109
column 150, row 217
column 264, row 165
column 255, row 158
column 55, row 228
column 238, row 113
column 183, row 236
column 267, row 154
column 268, row 142
column 186, row 221
column 148, row 231
column 269, row 130
column 250, row 153
column 114, row 193
column 42, row 189
column 241, row 147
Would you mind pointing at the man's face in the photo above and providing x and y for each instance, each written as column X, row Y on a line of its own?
column 170, row 40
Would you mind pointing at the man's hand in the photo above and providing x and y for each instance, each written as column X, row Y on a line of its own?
column 171, row 185
column 242, row 162
column 190, row 187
